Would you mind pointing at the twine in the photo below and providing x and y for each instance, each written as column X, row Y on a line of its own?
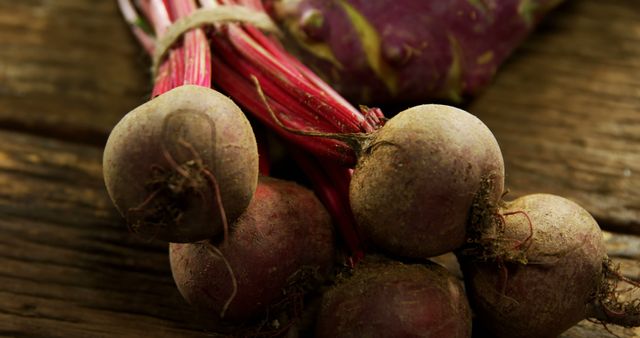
column 209, row 16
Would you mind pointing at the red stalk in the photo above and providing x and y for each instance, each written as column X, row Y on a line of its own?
column 245, row 92
column 320, row 103
column 273, row 89
column 331, row 184
column 187, row 63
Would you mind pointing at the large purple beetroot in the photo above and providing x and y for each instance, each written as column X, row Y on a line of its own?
column 375, row 51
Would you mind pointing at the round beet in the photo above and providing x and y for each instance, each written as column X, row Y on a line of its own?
column 416, row 180
column 282, row 242
column 391, row 299
column 165, row 161
column 537, row 270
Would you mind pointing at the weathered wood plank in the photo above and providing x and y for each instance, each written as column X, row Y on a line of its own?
column 624, row 246
column 68, row 68
column 566, row 110
column 68, row 266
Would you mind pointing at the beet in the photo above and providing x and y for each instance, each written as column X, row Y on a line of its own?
column 535, row 273
column 417, row 178
column 380, row 51
column 282, row 244
column 391, row 299
column 165, row 160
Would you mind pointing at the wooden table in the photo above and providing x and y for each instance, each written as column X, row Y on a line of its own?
column 565, row 109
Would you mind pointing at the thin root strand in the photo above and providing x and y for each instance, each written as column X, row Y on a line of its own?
column 234, row 282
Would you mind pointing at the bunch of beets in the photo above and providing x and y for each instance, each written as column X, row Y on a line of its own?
column 346, row 256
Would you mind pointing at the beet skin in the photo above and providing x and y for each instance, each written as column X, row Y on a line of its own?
column 163, row 160
column 416, row 181
column 391, row 299
column 380, row 51
column 522, row 287
column 282, row 243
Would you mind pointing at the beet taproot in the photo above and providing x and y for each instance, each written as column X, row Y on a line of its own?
column 381, row 51
column 174, row 163
column 281, row 244
column 391, row 299
column 537, row 268
column 416, row 180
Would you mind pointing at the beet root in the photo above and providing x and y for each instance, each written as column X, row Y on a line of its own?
column 279, row 246
column 380, row 51
column 391, row 299
column 174, row 163
column 416, row 180
column 534, row 273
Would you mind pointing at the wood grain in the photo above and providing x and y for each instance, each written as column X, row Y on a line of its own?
column 566, row 110
column 68, row 68
column 68, row 266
